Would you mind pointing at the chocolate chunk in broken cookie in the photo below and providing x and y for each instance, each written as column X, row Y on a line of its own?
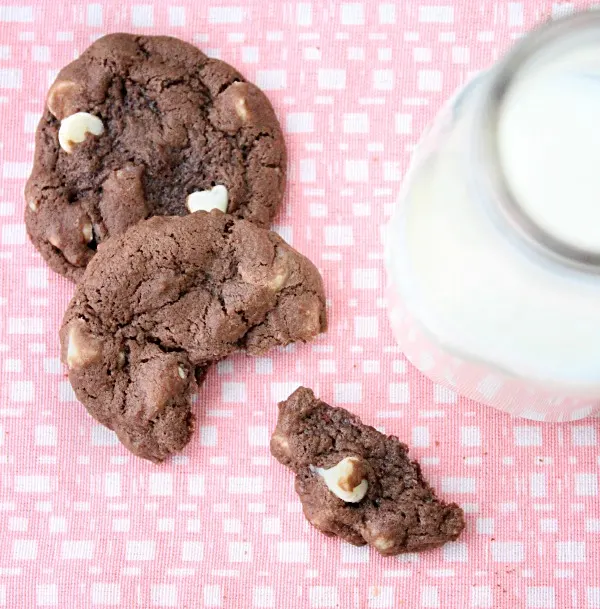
column 357, row 483
column 139, row 126
column 160, row 303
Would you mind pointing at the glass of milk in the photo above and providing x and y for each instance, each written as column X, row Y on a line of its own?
column 493, row 252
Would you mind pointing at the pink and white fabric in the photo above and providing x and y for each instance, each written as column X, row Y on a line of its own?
column 85, row 524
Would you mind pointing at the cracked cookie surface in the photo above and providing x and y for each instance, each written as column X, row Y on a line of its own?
column 158, row 304
column 357, row 483
column 151, row 120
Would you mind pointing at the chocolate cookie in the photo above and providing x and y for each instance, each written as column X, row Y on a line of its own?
column 161, row 302
column 147, row 125
column 357, row 483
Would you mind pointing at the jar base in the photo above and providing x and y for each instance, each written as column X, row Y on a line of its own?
column 476, row 381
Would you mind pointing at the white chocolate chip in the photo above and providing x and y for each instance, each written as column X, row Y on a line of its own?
column 88, row 233
column 205, row 200
column 278, row 281
column 55, row 241
column 74, row 128
column 383, row 543
column 82, row 347
column 241, row 108
column 60, row 98
column 281, row 442
column 339, row 480
column 33, row 204
column 281, row 268
column 181, row 371
column 73, row 349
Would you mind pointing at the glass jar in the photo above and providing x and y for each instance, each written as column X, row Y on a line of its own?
column 493, row 252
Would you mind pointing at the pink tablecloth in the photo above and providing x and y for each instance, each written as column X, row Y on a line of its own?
column 85, row 524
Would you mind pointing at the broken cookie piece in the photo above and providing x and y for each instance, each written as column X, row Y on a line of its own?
column 161, row 302
column 357, row 483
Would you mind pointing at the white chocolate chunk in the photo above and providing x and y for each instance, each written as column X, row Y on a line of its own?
column 88, row 233
column 181, row 371
column 241, row 108
column 281, row 268
column 282, row 443
column 74, row 129
column 33, row 205
column 60, row 98
column 73, row 351
column 205, row 200
column 82, row 348
column 278, row 281
column 383, row 543
column 339, row 480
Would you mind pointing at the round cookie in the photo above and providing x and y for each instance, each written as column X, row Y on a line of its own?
column 135, row 126
column 158, row 304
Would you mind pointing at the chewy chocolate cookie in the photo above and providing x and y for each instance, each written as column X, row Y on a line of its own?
column 139, row 126
column 158, row 304
column 357, row 483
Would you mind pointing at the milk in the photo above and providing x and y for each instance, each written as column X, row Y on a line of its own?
column 549, row 146
column 486, row 304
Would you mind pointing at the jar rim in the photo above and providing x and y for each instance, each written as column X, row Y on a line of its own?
column 484, row 145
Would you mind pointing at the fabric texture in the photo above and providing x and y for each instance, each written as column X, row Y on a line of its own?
column 83, row 523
